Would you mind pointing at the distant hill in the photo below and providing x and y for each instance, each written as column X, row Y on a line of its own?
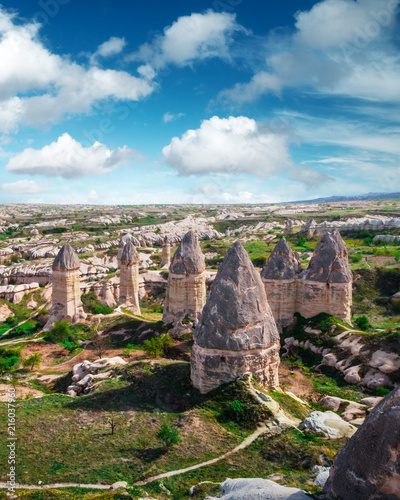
column 361, row 197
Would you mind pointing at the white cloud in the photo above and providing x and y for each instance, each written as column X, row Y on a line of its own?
column 111, row 47
column 25, row 187
column 194, row 37
column 170, row 117
column 92, row 196
column 339, row 47
column 37, row 86
column 67, row 158
column 229, row 145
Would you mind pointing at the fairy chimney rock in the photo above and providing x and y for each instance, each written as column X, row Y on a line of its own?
column 66, row 293
column 368, row 466
column 123, row 242
column 326, row 286
column 166, row 253
column 186, row 289
column 129, row 278
column 237, row 333
column 279, row 276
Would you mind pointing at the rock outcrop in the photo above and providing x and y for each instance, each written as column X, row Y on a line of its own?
column 279, row 276
column 166, row 253
column 186, row 289
column 124, row 241
column 237, row 333
column 325, row 286
column 129, row 279
column 258, row 489
column 66, row 293
column 368, row 467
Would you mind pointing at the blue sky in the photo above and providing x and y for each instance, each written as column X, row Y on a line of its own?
column 227, row 101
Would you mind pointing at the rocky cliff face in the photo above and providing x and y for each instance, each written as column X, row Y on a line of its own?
column 368, row 467
column 186, row 289
column 237, row 333
column 129, row 279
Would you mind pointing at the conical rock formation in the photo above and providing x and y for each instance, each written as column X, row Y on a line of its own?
column 279, row 276
column 237, row 333
column 186, row 289
column 368, row 467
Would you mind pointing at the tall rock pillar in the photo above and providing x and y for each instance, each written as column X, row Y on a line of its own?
column 186, row 289
column 279, row 276
column 166, row 253
column 129, row 279
column 66, row 293
column 237, row 333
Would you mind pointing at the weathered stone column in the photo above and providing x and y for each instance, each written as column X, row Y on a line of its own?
column 237, row 333
column 166, row 253
column 122, row 243
column 326, row 286
column 129, row 279
column 66, row 293
column 279, row 276
column 186, row 289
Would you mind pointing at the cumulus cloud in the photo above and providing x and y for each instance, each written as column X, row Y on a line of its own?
column 38, row 86
column 67, row 158
column 229, row 145
column 198, row 36
column 339, row 47
column 25, row 187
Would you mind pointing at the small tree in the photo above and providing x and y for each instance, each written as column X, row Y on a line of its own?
column 61, row 331
column 127, row 351
column 169, row 434
column 33, row 361
column 112, row 423
column 156, row 346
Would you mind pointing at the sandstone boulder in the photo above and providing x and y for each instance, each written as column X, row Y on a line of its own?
column 368, row 467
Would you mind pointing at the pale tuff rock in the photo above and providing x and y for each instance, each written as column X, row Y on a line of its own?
column 15, row 293
column 186, row 289
column 289, row 225
column 237, row 333
column 279, row 276
column 129, row 279
column 326, row 285
column 124, row 241
column 66, row 293
column 258, row 489
column 166, row 253
column 329, row 423
column 368, row 467
column 83, row 374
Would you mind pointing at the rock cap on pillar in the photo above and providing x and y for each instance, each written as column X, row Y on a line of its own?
column 237, row 315
column 330, row 263
column 129, row 255
column 283, row 263
column 66, row 260
column 188, row 258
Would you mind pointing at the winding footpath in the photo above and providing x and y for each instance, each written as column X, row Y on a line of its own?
column 277, row 425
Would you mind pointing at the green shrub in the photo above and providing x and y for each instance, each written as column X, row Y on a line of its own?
column 9, row 359
column 169, row 434
column 60, row 332
column 356, row 258
column 33, row 361
column 92, row 305
column 362, row 323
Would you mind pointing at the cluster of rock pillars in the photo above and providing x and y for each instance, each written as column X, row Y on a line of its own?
column 237, row 332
